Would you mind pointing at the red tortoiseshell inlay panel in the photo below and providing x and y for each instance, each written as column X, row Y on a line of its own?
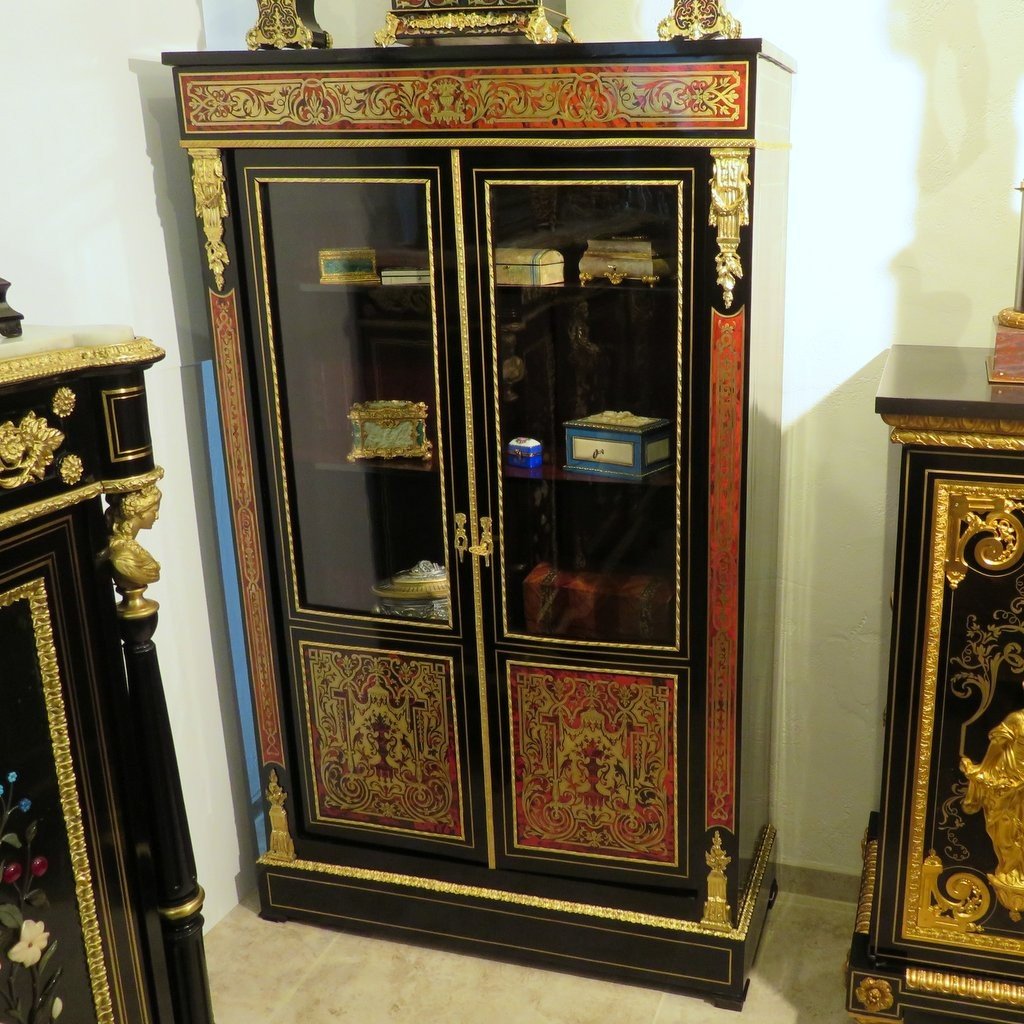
column 248, row 546
column 384, row 739
column 678, row 97
column 725, row 484
column 594, row 762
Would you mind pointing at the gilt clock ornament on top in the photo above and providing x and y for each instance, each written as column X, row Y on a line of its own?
column 287, row 24
column 418, row 20
column 699, row 19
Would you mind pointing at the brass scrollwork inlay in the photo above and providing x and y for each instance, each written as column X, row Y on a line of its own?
column 211, row 208
column 730, row 211
column 63, row 402
column 282, row 849
column 999, row 551
column 966, row 901
column 699, row 19
column 26, row 450
column 131, row 565
column 717, row 912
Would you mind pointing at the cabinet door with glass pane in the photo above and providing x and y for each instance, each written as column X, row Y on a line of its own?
column 585, row 326
column 349, row 267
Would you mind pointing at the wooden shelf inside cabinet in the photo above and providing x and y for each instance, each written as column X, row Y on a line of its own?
column 663, row 478
column 368, row 467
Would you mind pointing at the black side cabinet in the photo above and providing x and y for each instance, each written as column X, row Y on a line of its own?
column 939, row 934
column 99, row 904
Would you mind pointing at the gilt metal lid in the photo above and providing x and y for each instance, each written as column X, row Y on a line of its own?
column 424, row 581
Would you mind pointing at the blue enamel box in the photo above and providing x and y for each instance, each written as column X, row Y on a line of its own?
column 525, row 452
column 618, row 444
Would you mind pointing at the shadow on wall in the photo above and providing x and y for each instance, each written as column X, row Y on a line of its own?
column 835, row 625
column 175, row 205
column 959, row 269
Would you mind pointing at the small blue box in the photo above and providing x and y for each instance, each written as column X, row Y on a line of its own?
column 525, row 452
column 618, row 444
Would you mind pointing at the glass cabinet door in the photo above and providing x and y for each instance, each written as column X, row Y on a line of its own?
column 347, row 260
column 589, row 328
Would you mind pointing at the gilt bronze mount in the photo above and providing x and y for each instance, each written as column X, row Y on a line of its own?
column 287, row 24
column 699, row 19
column 413, row 21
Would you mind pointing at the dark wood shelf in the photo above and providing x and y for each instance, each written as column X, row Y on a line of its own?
column 363, row 467
column 663, row 478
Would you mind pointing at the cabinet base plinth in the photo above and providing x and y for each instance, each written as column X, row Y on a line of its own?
column 658, row 953
column 880, row 989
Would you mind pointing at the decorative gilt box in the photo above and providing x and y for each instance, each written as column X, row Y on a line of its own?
column 413, row 20
column 618, row 444
column 389, row 430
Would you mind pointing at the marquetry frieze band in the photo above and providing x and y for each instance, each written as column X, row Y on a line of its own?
column 698, row 97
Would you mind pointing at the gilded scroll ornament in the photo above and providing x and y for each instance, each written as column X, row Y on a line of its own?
column 699, row 19
column 63, row 402
column 965, row 902
column 992, row 518
column 282, row 849
column 730, row 211
column 26, row 450
column 211, row 208
column 874, row 994
column 996, row 786
column 131, row 565
column 717, row 912
column 286, row 23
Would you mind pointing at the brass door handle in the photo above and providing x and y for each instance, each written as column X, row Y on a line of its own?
column 461, row 540
column 486, row 546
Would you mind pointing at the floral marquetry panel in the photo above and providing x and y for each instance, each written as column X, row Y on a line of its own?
column 384, row 745
column 594, row 761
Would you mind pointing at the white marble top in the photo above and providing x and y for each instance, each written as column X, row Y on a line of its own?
column 36, row 339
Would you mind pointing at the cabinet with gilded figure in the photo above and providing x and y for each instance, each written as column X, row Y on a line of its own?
column 939, row 934
column 498, row 345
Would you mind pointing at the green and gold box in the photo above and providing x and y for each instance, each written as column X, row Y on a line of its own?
column 422, row 20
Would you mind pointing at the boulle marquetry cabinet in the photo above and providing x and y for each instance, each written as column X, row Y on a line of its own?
column 99, row 904
column 498, row 348
column 939, row 934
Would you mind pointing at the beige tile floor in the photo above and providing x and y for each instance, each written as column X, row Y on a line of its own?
column 296, row 974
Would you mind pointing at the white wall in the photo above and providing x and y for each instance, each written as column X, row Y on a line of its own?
column 907, row 140
column 91, row 187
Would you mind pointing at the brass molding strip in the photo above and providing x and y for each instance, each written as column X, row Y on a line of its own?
column 183, row 911
column 953, row 439
column 964, row 986
column 68, row 360
column 38, row 509
column 737, row 934
column 472, row 140
column 956, row 432
column 867, row 887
